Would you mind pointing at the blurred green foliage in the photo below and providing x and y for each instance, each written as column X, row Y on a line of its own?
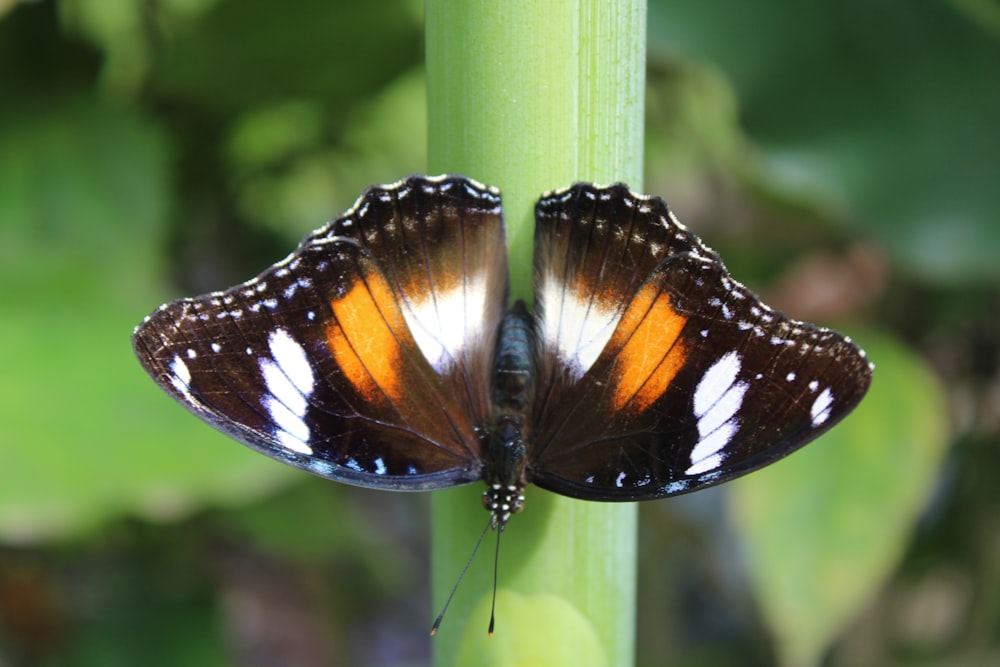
column 823, row 528
column 883, row 112
column 154, row 149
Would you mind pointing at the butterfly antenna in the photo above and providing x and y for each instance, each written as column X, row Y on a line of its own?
column 437, row 621
column 496, row 560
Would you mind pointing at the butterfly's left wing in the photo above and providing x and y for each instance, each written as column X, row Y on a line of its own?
column 659, row 373
column 364, row 356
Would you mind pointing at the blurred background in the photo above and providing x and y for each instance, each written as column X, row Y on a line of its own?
column 843, row 157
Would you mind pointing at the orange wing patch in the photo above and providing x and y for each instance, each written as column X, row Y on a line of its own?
column 362, row 337
column 650, row 350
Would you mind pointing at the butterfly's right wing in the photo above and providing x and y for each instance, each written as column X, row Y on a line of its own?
column 662, row 374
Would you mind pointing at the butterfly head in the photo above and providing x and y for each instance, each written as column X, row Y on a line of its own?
column 503, row 501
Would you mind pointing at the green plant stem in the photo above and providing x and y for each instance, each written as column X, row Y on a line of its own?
column 531, row 96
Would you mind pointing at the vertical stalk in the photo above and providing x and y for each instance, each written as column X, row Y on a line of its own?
column 532, row 95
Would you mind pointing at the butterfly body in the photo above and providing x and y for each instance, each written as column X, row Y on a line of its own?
column 382, row 353
column 507, row 440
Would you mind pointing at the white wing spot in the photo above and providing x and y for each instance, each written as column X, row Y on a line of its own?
column 716, row 381
column 820, row 410
column 292, row 360
column 292, row 431
column 290, row 381
column 181, row 377
column 577, row 328
column 443, row 326
column 708, row 463
column 717, row 402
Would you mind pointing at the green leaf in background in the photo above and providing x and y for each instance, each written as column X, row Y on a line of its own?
column 85, row 434
column 826, row 526
column 693, row 134
column 181, row 633
column 886, row 111
column 240, row 55
column 288, row 180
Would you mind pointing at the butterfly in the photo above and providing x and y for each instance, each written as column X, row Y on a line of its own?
column 382, row 352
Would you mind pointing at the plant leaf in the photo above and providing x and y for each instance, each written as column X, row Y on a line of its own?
column 824, row 527
column 86, row 434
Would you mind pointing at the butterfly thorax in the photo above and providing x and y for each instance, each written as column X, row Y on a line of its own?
column 512, row 395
